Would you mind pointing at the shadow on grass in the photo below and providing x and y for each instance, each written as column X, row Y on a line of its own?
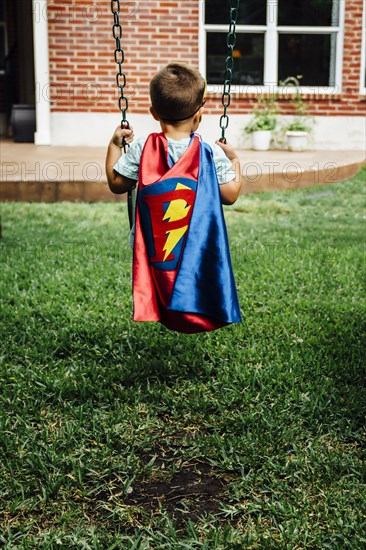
column 98, row 362
column 342, row 349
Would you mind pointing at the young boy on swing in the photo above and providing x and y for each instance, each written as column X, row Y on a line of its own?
column 182, row 273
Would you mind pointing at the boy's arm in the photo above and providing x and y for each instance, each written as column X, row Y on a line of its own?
column 117, row 183
column 230, row 191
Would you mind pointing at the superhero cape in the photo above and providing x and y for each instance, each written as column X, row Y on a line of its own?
column 182, row 274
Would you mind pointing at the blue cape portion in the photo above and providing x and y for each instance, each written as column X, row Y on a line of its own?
column 205, row 267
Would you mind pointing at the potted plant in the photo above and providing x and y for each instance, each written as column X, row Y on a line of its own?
column 262, row 124
column 298, row 130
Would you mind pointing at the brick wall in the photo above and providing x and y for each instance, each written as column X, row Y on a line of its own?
column 350, row 101
column 83, row 71
column 155, row 32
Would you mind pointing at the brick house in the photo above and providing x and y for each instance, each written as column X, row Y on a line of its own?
column 59, row 56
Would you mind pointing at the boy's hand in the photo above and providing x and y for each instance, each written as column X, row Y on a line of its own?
column 122, row 134
column 228, row 150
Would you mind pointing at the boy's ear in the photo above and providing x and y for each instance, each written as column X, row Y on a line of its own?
column 152, row 111
column 198, row 116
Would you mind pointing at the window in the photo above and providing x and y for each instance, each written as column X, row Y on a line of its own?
column 363, row 57
column 2, row 36
column 276, row 39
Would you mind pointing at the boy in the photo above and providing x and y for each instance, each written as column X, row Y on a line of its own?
column 177, row 97
column 182, row 270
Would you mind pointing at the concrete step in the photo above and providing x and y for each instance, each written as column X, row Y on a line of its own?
column 50, row 174
column 57, row 191
column 279, row 170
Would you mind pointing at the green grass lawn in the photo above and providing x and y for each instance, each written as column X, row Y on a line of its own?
column 127, row 436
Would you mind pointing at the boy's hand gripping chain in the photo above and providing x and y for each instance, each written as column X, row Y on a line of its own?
column 229, row 64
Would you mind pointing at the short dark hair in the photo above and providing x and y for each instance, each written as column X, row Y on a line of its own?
column 177, row 92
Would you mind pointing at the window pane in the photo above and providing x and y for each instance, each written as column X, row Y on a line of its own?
column 248, row 63
column 251, row 12
column 311, row 55
column 308, row 13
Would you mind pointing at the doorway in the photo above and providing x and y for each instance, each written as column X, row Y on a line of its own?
column 17, row 82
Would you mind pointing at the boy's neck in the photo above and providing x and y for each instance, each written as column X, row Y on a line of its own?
column 177, row 132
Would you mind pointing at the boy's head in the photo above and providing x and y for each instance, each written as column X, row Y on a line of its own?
column 177, row 93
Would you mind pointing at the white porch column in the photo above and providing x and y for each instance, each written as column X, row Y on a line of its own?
column 270, row 46
column 42, row 73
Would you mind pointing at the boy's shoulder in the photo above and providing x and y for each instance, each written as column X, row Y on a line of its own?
column 139, row 142
column 138, row 145
column 135, row 150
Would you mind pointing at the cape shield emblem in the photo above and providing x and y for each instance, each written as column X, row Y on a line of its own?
column 166, row 210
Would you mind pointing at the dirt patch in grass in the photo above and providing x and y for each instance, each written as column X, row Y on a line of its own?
column 192, row 492
column 171, row 484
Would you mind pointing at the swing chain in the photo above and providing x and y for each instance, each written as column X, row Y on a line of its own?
column 119, row 57
column 229, row 65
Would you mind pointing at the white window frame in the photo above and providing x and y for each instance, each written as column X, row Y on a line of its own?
column 271, row 33
column 363, row 52
column 41, row 72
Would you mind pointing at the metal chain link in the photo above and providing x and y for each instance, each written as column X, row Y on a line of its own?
column 119, row 57
column 229, row 65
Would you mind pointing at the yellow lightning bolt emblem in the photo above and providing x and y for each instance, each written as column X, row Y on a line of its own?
column 177, row 210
